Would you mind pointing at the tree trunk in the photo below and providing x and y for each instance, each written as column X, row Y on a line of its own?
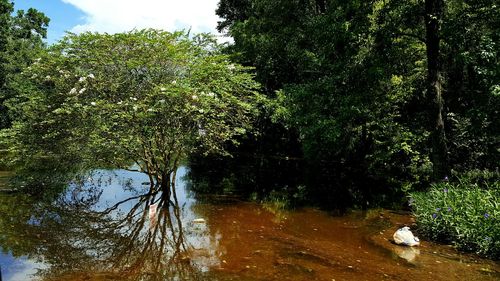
column 439, row 154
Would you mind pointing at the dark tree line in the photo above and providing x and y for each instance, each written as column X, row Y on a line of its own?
column 384, row 96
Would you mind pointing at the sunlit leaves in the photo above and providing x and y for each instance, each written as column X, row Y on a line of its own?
column 146, row 97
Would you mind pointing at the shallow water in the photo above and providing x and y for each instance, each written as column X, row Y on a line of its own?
column 102, row 229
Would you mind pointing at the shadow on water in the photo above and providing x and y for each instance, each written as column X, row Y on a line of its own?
column 112, row 225
column 329, row 184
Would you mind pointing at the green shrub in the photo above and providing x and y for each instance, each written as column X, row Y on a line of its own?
column 465, row 213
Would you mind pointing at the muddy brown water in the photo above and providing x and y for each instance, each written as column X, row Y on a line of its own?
column 102, row 229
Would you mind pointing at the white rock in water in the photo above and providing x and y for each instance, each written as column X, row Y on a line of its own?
column 404, row 236
column 198, row 221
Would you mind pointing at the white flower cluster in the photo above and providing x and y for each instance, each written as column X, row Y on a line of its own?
column 74, row 91
column 84, row 78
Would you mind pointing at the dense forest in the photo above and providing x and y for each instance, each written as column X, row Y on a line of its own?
column 377, row 97
column 336, row 104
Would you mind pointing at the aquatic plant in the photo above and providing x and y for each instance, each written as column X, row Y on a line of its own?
column 465, row 213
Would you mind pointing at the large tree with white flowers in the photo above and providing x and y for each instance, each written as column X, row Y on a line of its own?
column 141, row 100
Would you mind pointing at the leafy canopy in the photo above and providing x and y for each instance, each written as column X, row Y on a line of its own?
column 147, row 97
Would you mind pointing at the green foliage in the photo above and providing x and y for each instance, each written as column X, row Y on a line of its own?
column 233, row 10
column 286, row 199
column 20, row 42
column 145, row 97
column 471, row 52
column 343, row 86
column 277, row 201
column 464, row 213
column 351, row 78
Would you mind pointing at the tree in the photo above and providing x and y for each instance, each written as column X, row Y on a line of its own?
column 433, row 19
column 363, row 82
column 469, row 60
column 20, row 41
column 345, row 86
column 147, row 98
column 6, row 8
column 232, row 11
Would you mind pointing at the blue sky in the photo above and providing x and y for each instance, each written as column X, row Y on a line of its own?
column 123, row 15
column 19, row 268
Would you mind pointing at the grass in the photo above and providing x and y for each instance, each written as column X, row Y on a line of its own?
column 465, row 213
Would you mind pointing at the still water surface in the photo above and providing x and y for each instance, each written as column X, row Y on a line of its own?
column 102, row 229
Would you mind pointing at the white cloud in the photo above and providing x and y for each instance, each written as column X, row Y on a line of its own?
column 123, row 15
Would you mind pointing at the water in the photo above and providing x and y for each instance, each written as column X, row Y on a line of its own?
column 101, row 229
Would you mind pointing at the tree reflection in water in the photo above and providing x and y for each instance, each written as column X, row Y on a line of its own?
column 77, row 237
